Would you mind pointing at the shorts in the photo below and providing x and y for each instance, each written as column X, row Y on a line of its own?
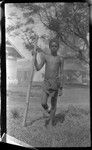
column 51, row 86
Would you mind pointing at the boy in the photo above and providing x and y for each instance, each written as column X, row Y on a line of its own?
column 53, row 81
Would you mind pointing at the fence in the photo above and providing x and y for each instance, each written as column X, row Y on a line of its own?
column 70, row 77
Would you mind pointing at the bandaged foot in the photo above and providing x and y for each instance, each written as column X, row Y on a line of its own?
column 46, row 109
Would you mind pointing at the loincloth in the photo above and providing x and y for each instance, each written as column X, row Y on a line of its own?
column 51, row 86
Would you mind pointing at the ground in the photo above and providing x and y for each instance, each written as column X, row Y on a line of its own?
column 72, row 121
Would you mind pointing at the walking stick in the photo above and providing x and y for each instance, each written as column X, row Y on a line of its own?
column 30, row 86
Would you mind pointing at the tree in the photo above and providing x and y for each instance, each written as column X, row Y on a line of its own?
column 69, row 22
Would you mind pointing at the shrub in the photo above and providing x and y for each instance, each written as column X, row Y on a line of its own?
column 15, row 113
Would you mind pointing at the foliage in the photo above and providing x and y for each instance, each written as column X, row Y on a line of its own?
column 68, row 21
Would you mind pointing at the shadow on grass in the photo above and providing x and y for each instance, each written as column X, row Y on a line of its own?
column 58, row 118
column 72, row 111
column 36, row 119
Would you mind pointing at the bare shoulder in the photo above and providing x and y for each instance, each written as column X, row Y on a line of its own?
column 42, row 55
column 61, row 59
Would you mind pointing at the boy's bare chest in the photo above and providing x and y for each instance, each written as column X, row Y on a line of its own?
column 52, row 61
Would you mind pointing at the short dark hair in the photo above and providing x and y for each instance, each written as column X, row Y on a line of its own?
column 53, row 41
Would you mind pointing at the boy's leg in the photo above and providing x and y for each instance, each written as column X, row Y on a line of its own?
column 53, row 107
column 44, row 100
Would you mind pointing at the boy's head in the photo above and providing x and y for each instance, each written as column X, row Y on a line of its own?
column 54, row 45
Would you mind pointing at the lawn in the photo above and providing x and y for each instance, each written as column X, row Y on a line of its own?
column 72, row 121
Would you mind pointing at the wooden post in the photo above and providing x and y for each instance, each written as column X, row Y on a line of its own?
column 29, row 87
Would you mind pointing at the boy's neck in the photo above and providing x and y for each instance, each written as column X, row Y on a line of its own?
column 54, row 54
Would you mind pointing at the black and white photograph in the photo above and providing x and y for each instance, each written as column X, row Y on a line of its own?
column 48, row 74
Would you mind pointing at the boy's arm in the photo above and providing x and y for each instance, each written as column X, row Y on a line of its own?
column 39, row 66
column 61, row 73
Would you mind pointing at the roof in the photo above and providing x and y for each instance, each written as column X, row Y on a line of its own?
column 8, row 43
column 12, row 51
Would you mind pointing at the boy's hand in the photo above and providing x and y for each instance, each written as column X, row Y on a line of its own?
column 34, row 53
column 60, row 92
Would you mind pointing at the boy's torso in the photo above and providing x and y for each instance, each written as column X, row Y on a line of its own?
column 52, row 66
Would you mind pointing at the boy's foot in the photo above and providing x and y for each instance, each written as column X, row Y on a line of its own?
column 46, row 109
column 46, row 112
column 52, row 122
column 47, row 122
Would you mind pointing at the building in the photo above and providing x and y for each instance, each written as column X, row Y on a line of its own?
column 24, row 72
column 19, row 68
column 75, row 72
column 12, row 55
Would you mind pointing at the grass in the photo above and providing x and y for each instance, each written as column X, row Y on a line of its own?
column 72, row 121
column 72, row 128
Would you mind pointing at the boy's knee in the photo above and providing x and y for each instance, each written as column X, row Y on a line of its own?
column 45, row 106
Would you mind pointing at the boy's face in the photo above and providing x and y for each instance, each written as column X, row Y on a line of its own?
column 54, row 47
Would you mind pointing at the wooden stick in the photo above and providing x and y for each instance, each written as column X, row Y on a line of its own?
column 29, row 87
